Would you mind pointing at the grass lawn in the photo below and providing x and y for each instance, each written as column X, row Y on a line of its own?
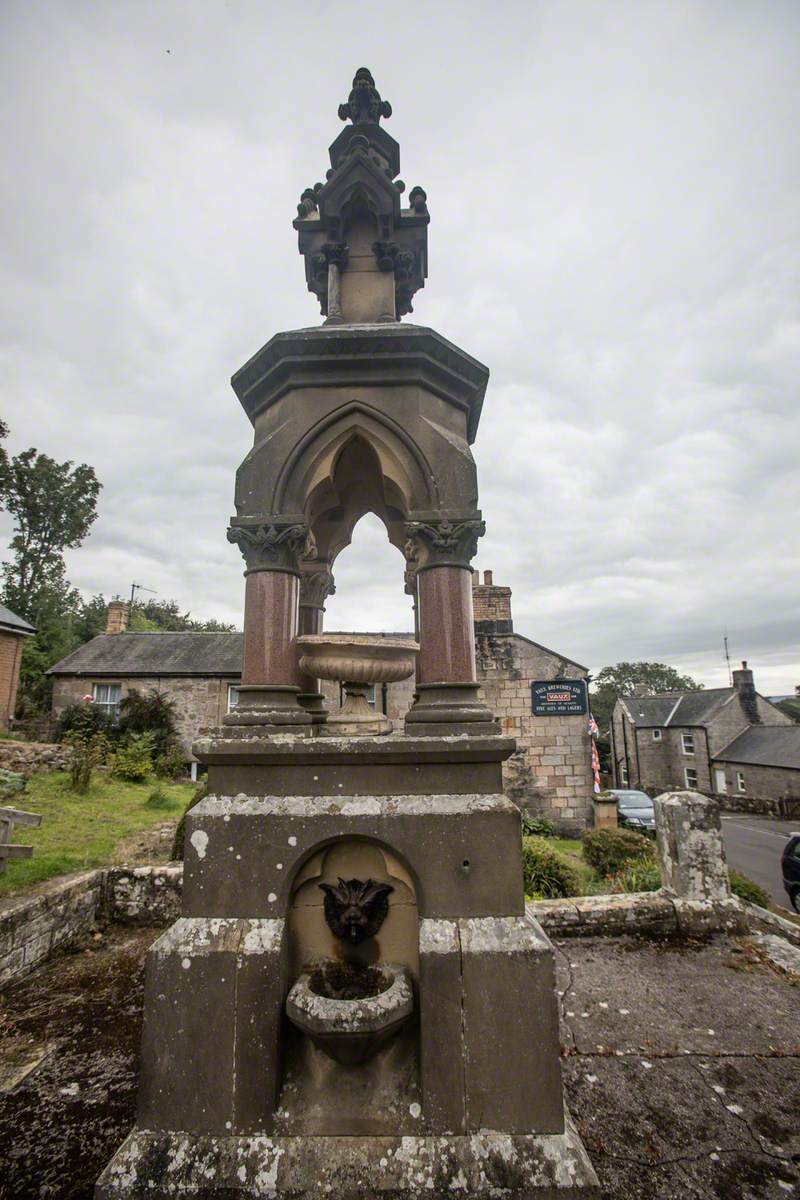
column 83, row 831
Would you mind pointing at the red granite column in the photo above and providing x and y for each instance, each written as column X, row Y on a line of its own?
column 270, row 628
column 446, row 699
column 270, row 676
column 446, row 630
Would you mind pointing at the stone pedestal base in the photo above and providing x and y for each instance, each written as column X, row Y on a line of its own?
column 443, row 709
column 156, row 1166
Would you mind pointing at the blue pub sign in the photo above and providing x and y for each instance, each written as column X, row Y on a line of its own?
column 559, row 697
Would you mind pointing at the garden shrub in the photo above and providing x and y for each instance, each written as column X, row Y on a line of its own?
column 84, row 716
column 11, row 783
column 201, row 791
column 88, row 747
column 745, row 889
column 158, row 798
column 610, row 851
column 149, row 712
column 639, row 876
column 545, row 872
column 172, row 763
column 133, row 760
column 537, row 827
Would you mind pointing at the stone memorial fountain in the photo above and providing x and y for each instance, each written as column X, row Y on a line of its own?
column 354, row 1002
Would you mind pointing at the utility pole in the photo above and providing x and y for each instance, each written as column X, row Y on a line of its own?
column 728, row 660
column 139, row 587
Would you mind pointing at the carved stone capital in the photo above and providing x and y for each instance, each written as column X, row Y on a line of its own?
column 271, row 547
column 316, row 585
column 442, row 543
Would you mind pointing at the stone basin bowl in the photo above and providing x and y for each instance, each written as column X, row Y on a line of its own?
column 358, row 662
column 350, row 1031
column 356, row 659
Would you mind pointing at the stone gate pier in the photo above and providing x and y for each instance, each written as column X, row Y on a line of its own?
column 354, row 1003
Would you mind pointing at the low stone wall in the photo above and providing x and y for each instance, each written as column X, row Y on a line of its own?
column 645, row 913
column 28, row 757
column 750, row 804
column 32, row 927
column 143, row 895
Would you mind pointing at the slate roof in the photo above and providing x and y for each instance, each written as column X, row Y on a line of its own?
column 147, row 654
column 9, row 620
column 677, row 708
column 765, row 746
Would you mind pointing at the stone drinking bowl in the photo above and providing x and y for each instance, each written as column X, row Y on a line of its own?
column 350, row 1031
column 358, row 662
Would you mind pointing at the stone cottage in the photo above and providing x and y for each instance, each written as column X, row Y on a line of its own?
column 730, row 742
column 550, row 774
column 13, row 631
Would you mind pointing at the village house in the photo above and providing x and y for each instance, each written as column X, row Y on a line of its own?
column 731, row 743
column 13, row 631
column 550, row 774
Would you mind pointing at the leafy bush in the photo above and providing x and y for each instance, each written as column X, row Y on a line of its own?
column 610, row 851
column 151, row 713
column 88, row 747
column 545, row 872
column 537, row 827
column 745, row 889
column 11, row 783
column 134, row 758
column 85, row 717
column 172, row 763
column 201, row 791
column 158, row 798
column 639, row 876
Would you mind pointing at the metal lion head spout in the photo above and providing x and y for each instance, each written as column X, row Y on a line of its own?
column 354, row 909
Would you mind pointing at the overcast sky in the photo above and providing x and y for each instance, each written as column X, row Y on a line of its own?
column 615, row 222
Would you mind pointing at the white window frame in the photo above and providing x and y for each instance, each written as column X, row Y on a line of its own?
column 656, row 735
column 623, row 774
column 687, row 771
column 741, row 785
column 107, row 705
column 233, row 696
column 687, row 737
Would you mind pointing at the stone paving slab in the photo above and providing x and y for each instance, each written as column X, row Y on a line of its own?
column 721, row 1122
column 682, row 1067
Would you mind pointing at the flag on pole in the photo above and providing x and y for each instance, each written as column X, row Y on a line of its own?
column 595, row 733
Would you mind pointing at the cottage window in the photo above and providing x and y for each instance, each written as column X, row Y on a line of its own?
column 740, row 783
column 233, row 697
column 656, row 735
column 623, row 774
column 687, row 742
column 107, row 697
column 690, row 775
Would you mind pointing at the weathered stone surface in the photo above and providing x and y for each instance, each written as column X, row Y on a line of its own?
column 690, row 848
column 31, row 926
column 149, row 895
column 242, row 852
column 547, row 1167
column 29, row 757
column 606, row 916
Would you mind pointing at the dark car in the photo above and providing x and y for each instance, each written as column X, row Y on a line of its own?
column 635, row 811
column 790, row 861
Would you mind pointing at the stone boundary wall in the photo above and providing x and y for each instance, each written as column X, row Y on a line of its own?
column 28, row 757
column 757, row 805
column 32, row 927
column 647, row 913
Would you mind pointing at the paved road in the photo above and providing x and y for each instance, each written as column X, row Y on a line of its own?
column 754, row 845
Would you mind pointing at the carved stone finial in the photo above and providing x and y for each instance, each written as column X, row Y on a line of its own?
column 364, row 105
column 355, row 910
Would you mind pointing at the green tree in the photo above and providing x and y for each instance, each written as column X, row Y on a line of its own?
column 791, row 707
column 165, row 615
column 53, row 506
column 621, row 679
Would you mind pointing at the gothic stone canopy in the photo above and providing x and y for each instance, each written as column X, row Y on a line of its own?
column 355, row 223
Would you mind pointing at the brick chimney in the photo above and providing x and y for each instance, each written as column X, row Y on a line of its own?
column 117, row 617
column 743, row 682
column 491, row 605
